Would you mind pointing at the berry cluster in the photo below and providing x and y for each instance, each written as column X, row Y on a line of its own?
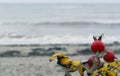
column 98, row 47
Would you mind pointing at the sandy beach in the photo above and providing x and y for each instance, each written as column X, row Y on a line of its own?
column 33, row 60
column 30, row 32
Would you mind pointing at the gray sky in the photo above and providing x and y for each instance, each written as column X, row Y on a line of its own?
column 59, row 1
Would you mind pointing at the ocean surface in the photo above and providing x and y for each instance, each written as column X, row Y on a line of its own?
column 58, row 23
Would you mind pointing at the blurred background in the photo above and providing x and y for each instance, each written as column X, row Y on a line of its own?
column 58, row 22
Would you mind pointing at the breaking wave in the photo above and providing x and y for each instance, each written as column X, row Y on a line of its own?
column 52, row 39
column 68, row 23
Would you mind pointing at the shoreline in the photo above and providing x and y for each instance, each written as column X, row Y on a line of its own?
column 49, row 49
column 83, row 44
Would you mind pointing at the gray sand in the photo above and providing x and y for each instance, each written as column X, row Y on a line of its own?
column 37, row 65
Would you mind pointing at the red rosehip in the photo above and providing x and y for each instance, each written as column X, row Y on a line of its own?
column 91, row 60
column 97, row 45
column 109, row 56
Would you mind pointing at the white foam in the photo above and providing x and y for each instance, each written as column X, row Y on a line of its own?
column 53, row 39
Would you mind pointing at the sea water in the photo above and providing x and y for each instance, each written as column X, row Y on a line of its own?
column 58, row 23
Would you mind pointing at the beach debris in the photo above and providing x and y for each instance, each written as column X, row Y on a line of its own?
column 12, row 53
column 40, row 52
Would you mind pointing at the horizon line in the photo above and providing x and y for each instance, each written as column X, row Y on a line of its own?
column 59, row 2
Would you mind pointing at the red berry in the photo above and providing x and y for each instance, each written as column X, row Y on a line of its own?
column 97, row 45
column 91, row 60
column 109, row 56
